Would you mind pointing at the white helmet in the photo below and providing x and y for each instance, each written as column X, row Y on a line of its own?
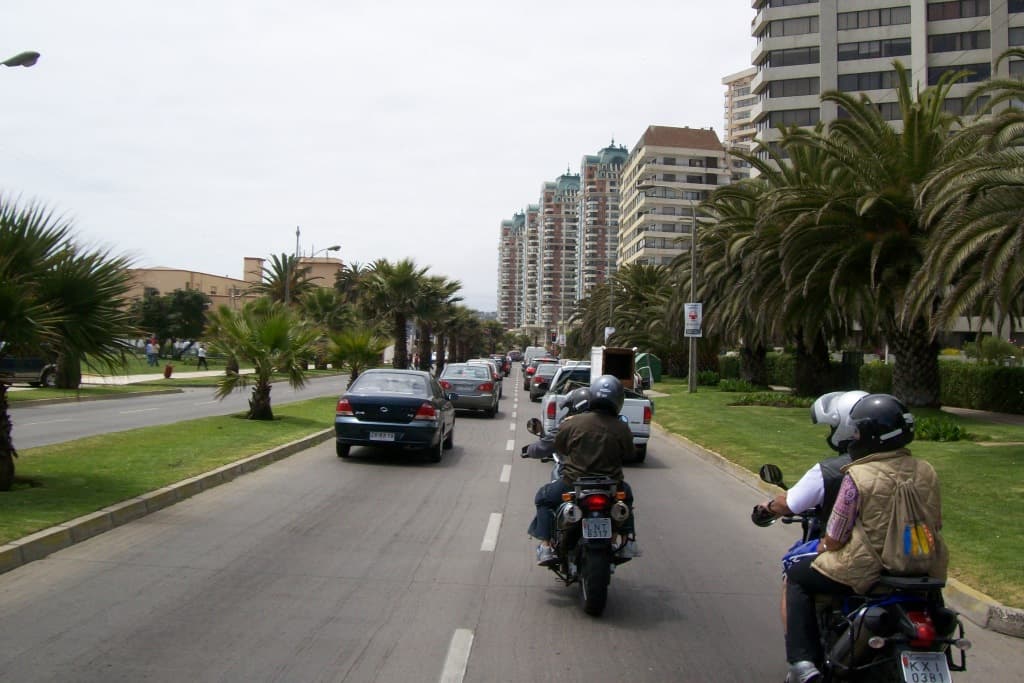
column 833, row 409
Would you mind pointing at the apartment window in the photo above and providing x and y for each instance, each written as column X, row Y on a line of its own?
column 793, row 27
column 1014, row 6
column 955, row 105
column 787, row 3
column 794, row 56
column 669, row 177
column 870, row 18
column 746, row 103
column 668, row 161
column 978, row 72
column 955, row 42
column 794, row 117
column 740, row 92
column 1016, row 36
column 695, row 179
column 794, row 87
column 872, row 80
column 959, row 9
column 1017, row 68
column 697, row 162
column 870, row 49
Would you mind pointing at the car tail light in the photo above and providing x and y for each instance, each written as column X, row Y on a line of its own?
column 344, row 408
column 596, row 502
column 550, row 410
column 530, row 371
column 538, row 380
column 647, row 415
column 445, row 384
column 426, row 411
column 923, row 627
column 486, row 386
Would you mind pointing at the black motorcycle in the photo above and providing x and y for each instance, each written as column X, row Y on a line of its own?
column 586, row 525
column 900, row 632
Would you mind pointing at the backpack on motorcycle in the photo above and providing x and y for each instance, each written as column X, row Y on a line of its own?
column 912, row 542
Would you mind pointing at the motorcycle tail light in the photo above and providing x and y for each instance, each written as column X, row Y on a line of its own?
column 647, row 415
column 924, row 629
column 596, row 502
column 486, row 386
column 425, row 412
column 344, row 408
column 445, row 384
column 550, row 410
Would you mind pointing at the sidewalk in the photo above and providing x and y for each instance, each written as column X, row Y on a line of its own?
column 134, row 379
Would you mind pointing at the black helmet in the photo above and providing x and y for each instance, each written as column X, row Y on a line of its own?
column 881, row 423
column 578, row 401
column 607, row 394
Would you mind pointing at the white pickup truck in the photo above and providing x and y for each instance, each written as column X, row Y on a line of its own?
column 574, row 374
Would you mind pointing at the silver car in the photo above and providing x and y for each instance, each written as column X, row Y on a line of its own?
column 474, row 384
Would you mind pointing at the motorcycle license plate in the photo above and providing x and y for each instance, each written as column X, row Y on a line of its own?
column 925, row 667
column 382, row 436
column 597, row 527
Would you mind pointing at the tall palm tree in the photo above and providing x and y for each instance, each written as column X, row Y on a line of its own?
column 356, row 349
column 267, row 335
column 56, row 300
column 436, row 295
column 348, row 281
column 391, row 290
column 284, row 279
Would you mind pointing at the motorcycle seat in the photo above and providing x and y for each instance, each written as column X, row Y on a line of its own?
column 910, row 583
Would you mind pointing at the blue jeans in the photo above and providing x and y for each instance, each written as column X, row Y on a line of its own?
column 549, row 497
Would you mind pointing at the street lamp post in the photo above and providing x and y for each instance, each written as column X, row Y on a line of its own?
column 22, row 59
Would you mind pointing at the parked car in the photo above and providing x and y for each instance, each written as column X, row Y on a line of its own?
column 34, row 371
column 405, row 409
column 541, row 380
column 495, row 371
column 473, row 384
column 531, row 367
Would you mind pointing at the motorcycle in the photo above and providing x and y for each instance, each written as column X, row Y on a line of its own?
column 587, row 524
column 901, row 631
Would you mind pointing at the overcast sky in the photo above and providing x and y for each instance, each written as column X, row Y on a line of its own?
column 192, row 133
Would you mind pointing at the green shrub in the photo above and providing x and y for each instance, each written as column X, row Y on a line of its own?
column 876, row 378
column 982, row 387
column 992, row 350
column 781, row 368
column 729, row 367
column 707, row 378
column 938, row 429
column 773, row 399
column 736, row 385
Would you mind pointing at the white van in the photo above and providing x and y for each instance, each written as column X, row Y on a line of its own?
column 532, row 352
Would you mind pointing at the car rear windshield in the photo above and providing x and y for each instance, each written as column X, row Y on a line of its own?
column 388, row 383
column 466, row 371
column 547, row 370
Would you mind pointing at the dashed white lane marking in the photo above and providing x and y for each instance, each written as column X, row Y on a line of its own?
column 513, row 414
column 140, row 410
column 510, row 444
column 458, row 656
column 512, row 426
column 491, row 535
column 506, row 474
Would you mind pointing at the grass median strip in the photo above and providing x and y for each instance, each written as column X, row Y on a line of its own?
column 63, row 481
column 982, row 485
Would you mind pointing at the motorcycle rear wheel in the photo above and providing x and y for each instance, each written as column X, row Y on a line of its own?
column 595, row 574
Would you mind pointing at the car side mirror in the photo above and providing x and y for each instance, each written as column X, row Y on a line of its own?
column 534, row 426
column 772, row 475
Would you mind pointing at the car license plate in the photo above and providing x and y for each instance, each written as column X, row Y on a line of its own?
column 925, row 667
column 382, row 436
column 597, row 527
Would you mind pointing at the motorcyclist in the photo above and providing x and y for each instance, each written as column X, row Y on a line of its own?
column 820, row 484
column 881, row 427
column 592, row 443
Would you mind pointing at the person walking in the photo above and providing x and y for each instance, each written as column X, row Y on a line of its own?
column 201, row 357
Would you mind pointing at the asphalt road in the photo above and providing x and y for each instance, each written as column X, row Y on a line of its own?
column 382, row 568
column 40, row 425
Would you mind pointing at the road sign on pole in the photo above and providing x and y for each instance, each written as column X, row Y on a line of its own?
column 694, row 320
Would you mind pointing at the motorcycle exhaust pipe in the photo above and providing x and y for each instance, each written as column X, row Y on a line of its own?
column 620, row 511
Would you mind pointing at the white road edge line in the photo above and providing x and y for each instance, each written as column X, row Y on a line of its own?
column 510, row 444
column 506, row 474
column 491, row 535
column 140, row 410
column 458, row 656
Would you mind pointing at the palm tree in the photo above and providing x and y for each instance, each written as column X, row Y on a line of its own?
column 267, row 335
column 391, row 291
column 436, row 295
column 284, row 280
column 56, row 300
column 348, row 281
column 357, row 349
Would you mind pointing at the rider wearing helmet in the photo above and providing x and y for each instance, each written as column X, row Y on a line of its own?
column 820, row 485
column 591, row 443
column 880, row 428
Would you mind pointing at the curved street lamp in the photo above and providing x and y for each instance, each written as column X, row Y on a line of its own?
column 22, row 59
column 334, row 247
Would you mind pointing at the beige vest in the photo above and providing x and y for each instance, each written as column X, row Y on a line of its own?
column 858, row 563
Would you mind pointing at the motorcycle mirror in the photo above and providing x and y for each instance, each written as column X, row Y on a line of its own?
column 772, row 474
column 534, row 426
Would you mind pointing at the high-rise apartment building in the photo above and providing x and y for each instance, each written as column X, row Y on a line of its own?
column 559, row 241
column 599, row 209
column 805, row 48
column 739, row 128
column 669, row 171
column 511, row 250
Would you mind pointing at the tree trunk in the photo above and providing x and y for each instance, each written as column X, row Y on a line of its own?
column 7, row 452
column 753, row 365
column 401, row 359
column 812, row 372
column 915, row 374
column 69, row 371
column 259, row 404
column 426, row 346
column 441, row 343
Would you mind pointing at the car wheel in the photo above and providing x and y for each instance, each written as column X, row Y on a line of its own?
column 433, row 453
column 449, row 441
column 641, row 452
column 342, row 449
column 491, row 412
column 49, row 379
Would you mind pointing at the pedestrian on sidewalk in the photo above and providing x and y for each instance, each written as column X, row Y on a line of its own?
column 201, row 357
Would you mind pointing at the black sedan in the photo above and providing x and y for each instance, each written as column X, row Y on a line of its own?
column 395, row 408
column 541, row 380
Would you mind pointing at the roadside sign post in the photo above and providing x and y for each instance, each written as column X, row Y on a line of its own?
column 693, row 329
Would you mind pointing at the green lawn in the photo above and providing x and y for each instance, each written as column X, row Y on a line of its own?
column 982, row 480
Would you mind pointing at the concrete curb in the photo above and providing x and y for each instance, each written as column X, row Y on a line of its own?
column 35, row 402
column 42, row 543
column 981, row 609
